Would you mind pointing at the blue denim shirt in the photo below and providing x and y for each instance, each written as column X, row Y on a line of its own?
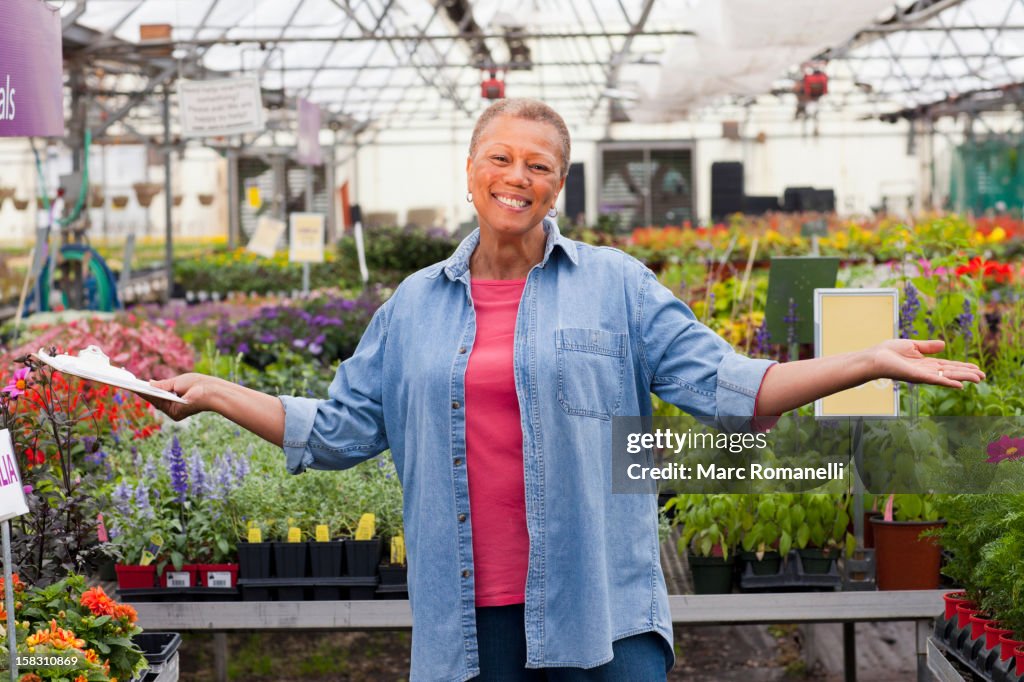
column 596, row 333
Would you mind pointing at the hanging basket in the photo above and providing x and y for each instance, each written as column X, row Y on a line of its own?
column 206, row 199
column 5, row 194
column 145, row 191
column 96, row 196
column 40, row 202
column 119, row 201
column 178, row 198
column 20, row 204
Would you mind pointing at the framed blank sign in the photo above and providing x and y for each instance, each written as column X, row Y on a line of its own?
column 848, row 320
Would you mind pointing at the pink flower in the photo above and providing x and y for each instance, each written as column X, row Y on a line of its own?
column 19, row 383
column 1005, row 448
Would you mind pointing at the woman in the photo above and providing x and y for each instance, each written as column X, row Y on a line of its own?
column 493, row 377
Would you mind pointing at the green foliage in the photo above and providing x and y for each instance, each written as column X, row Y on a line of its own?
column 394, row 253
column 709, row 522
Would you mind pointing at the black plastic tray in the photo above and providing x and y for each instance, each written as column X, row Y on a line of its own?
column 791, row 576
column 158, row 647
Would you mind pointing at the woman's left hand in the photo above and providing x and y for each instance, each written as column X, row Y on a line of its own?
column 907, row 360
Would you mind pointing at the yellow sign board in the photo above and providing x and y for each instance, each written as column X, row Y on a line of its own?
column 268, row 233
column 306, row 238
column 848, row 320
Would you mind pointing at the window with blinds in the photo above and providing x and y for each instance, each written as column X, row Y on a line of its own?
column 646, row 185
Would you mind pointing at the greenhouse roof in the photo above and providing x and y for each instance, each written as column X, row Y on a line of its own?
column 420, row 63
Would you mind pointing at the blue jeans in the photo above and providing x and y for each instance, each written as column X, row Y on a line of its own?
column 501, row 638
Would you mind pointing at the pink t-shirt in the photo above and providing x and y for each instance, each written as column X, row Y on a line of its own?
column 494, row 448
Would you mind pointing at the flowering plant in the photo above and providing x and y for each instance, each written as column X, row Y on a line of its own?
column 84, row 630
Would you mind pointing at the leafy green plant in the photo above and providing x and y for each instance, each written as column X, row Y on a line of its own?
column 710, row 523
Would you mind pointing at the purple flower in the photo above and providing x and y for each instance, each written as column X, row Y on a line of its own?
column 299, row 343
column 197, row 473
column 243, row 347
column 175, row 459
column 123, row 499
column 761, row 339
column 909, row 310
column 931, row 327
column 1005, row 448
column 966, row 321
column 142, row 505
column 791, row 320
column 27, row 489
column 267, row 337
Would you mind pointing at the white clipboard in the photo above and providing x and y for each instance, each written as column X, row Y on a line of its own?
column 94, row 365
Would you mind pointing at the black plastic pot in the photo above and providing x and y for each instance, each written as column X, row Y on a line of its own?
column 325, row 561
column 254, row 559
column 393, row 574
column 817, row 561
column 158, row 647
column 712, row 574
column 769, row 564
column 362, row 557
column 290, row 562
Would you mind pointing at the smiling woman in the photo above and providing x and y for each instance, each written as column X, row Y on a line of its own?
column 494, row 377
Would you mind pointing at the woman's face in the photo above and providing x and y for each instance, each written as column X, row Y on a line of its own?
column 515, row 174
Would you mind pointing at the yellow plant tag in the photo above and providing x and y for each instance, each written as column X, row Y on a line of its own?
column 253, row 195
column 294, row 534
column 397, row 550
column 255, row 535
column 157, row 539
column 367, row 527
column 323, row 534
column 147, row 558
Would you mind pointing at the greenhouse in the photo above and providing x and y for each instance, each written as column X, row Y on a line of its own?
column 511, row 340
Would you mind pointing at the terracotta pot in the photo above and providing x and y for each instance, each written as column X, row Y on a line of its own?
column 954, row 599
column 903, row 560
column 993, row 631
column 132, row 577
column 964, row 613
column 1007, row 644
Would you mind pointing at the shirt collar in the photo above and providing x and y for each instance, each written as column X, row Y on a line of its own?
column 457, row 265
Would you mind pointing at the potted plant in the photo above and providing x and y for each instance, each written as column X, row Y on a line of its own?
column 710, row 524
column 290, row 559
column 325, row 561
column 255, row 562
column 904, row 559
column 767, row 531
column 823, row 531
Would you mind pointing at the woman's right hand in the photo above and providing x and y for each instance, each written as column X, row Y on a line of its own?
column 193, row 387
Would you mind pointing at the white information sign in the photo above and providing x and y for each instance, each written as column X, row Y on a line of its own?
column 268, row 233
column 12, row 495
column 226, row 106
column 179, row 579
column 306, row 238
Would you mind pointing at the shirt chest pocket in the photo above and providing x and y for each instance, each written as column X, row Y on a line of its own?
column 591, row 365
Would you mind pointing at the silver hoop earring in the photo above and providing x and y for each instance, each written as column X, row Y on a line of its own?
column 469, row 197
column 552, row 212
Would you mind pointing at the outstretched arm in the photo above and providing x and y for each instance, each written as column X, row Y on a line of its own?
column 792, row 384
column 254, row 411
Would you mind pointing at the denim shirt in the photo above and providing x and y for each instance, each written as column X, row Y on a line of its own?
column 596, row 333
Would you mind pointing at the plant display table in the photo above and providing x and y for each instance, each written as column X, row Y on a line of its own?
column 920, row 606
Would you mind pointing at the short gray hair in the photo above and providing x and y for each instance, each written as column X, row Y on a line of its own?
column 530, row 110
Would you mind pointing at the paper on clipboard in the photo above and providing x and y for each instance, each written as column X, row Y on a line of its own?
column 93, row 364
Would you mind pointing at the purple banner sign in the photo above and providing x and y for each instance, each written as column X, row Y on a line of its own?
column 309, row 151
column 31, row 70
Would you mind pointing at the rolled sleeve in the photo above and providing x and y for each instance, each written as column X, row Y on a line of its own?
column 739, row 379
column 299, row 415
column 348, row 427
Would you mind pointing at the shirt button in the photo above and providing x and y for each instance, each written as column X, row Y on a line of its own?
column 462, row 350
column 458, row 461
column 462, row 517
column 455, row 404
column 465, row 573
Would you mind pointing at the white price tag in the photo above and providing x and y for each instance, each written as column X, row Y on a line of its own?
column 179, row 579
column 218, row 579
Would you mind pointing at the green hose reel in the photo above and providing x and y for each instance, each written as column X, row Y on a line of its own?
column 99, row 282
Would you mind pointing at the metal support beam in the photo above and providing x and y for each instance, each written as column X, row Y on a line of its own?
column 162, row 78
column 168, row 203
column 234, row 214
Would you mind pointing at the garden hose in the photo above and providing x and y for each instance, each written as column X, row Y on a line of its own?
column 100, row 283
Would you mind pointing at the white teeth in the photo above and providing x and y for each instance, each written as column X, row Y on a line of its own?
column 516, row 203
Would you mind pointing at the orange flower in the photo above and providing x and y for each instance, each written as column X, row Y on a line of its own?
column 126, row 611
column 81, row 678
column 92, row 656
column 97, row 601
column 30, row 677
column 58, row 638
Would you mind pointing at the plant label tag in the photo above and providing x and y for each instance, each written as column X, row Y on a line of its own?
column 255, row 535
column 179, row 579
column 367, row 527
column 323, row 534
column 294, row 534
column 12, row 494
column 218, row 579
